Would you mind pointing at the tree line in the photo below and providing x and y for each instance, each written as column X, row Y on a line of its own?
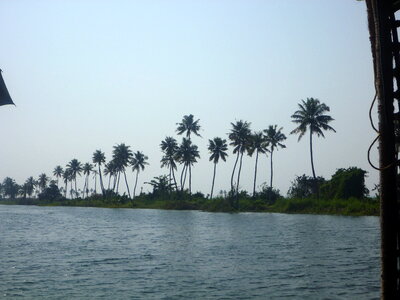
column 311, row 116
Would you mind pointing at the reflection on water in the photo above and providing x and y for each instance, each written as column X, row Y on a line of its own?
column 60, row 252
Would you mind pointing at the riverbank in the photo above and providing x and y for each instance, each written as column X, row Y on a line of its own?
column 346, row 207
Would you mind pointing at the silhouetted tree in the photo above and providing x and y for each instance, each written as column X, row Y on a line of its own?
column 169, row 147
column 274, row 138
column 240, row 139
column 121, row 157
column 257, row 145
column 311, row 116
column 138, row 162
column 58, row 172
column 99, row 158
column 217, row 147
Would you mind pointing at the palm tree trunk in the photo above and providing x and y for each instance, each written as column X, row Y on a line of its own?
column 76, row 190
column 212, row 186
column 115, row 181
column 95, row 184
column 183, row 170
column 184, row 177
column 84, row 187
column 127, row 186
column 134, row 189
column 190, row 179
column 238, row 178
column 66, row 188
column 312, row 159
column 255, row 176
column 87, row 187
column 119, row 176
column 233, row 172
column 101, row 181
column 170, row 180
column 272, row 170
column 173, row 175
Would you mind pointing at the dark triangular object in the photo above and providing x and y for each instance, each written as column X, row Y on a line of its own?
column 4, row 95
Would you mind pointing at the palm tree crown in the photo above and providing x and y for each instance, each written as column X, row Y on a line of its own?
column 311, row 115
column 138, row 161
column 58, row 172
column 189, row 126
column 217, row 147
column 274, row 137
column 240, row 136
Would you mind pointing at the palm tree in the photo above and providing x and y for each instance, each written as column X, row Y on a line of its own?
column 30, row 186
column 10, row 187
column 169, row 146
column 67, row 176
column 217, row 147
column 87, row 169
column 42, row 181
column 274, row 139
column 189, row 126
column 138, row 162
column 121, row 156
column 58, row 171
column 240, row 137
column 75, row 168
column 311, row 115
column 187, row 155
column 109, row 170
column 257, row 145
column 99, row 158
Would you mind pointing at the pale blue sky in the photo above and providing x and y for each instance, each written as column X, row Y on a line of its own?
column 87, row 75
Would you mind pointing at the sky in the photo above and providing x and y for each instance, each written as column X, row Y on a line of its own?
column 90, row 74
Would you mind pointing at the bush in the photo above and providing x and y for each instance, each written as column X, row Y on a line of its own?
column 345, row 183
column 305, row 186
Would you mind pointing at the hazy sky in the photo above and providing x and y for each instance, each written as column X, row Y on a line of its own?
column 88, row 75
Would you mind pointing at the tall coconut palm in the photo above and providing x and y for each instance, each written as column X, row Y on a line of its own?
column 87, row 169
column 121, row 156
column 169, row 147
column 187, row 155
column 67, row 176
column 257, row 145
column 138, row 162
column 311, row 115
column 58, row 172
column 75, row 168
column 109, row 170
column 30, row 186
column 240, row 137
column 189, row 126
column 274, row 138
column 217, row 147
column 99, row 158
column 42, row 181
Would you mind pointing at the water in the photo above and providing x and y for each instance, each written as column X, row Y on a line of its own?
column 93, row 253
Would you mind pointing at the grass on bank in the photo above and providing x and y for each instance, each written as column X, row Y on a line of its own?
column 348, row 207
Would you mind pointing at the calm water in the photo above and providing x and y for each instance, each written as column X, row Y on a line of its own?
column 82, row 253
